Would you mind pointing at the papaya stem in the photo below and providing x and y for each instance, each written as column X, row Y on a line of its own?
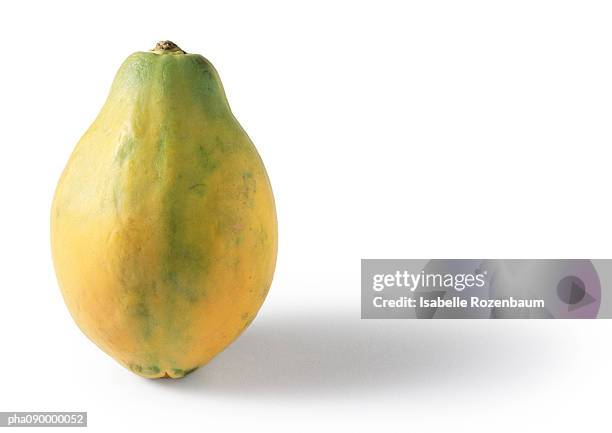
column 167, row 47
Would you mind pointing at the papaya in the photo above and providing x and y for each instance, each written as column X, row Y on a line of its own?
column 163, row 222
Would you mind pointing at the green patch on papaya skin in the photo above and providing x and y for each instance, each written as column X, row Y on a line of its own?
column 143, row 317
column 151, row 370
column 179, row 372
column 205, row 157
column 248, row 189
column 225, row 146
column 160, row 157
column 184, row 258
column 198, row 188
column 126, row 148
column 135, row 368
column 192, row 296
column 186, row 292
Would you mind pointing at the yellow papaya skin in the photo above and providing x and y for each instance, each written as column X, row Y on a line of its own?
column 163, row 223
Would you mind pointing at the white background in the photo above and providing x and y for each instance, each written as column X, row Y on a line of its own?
column 429, row 129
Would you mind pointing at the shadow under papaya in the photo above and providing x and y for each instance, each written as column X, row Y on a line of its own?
column 338, row 354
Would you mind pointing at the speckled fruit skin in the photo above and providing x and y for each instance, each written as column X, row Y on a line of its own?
column 163, row 224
